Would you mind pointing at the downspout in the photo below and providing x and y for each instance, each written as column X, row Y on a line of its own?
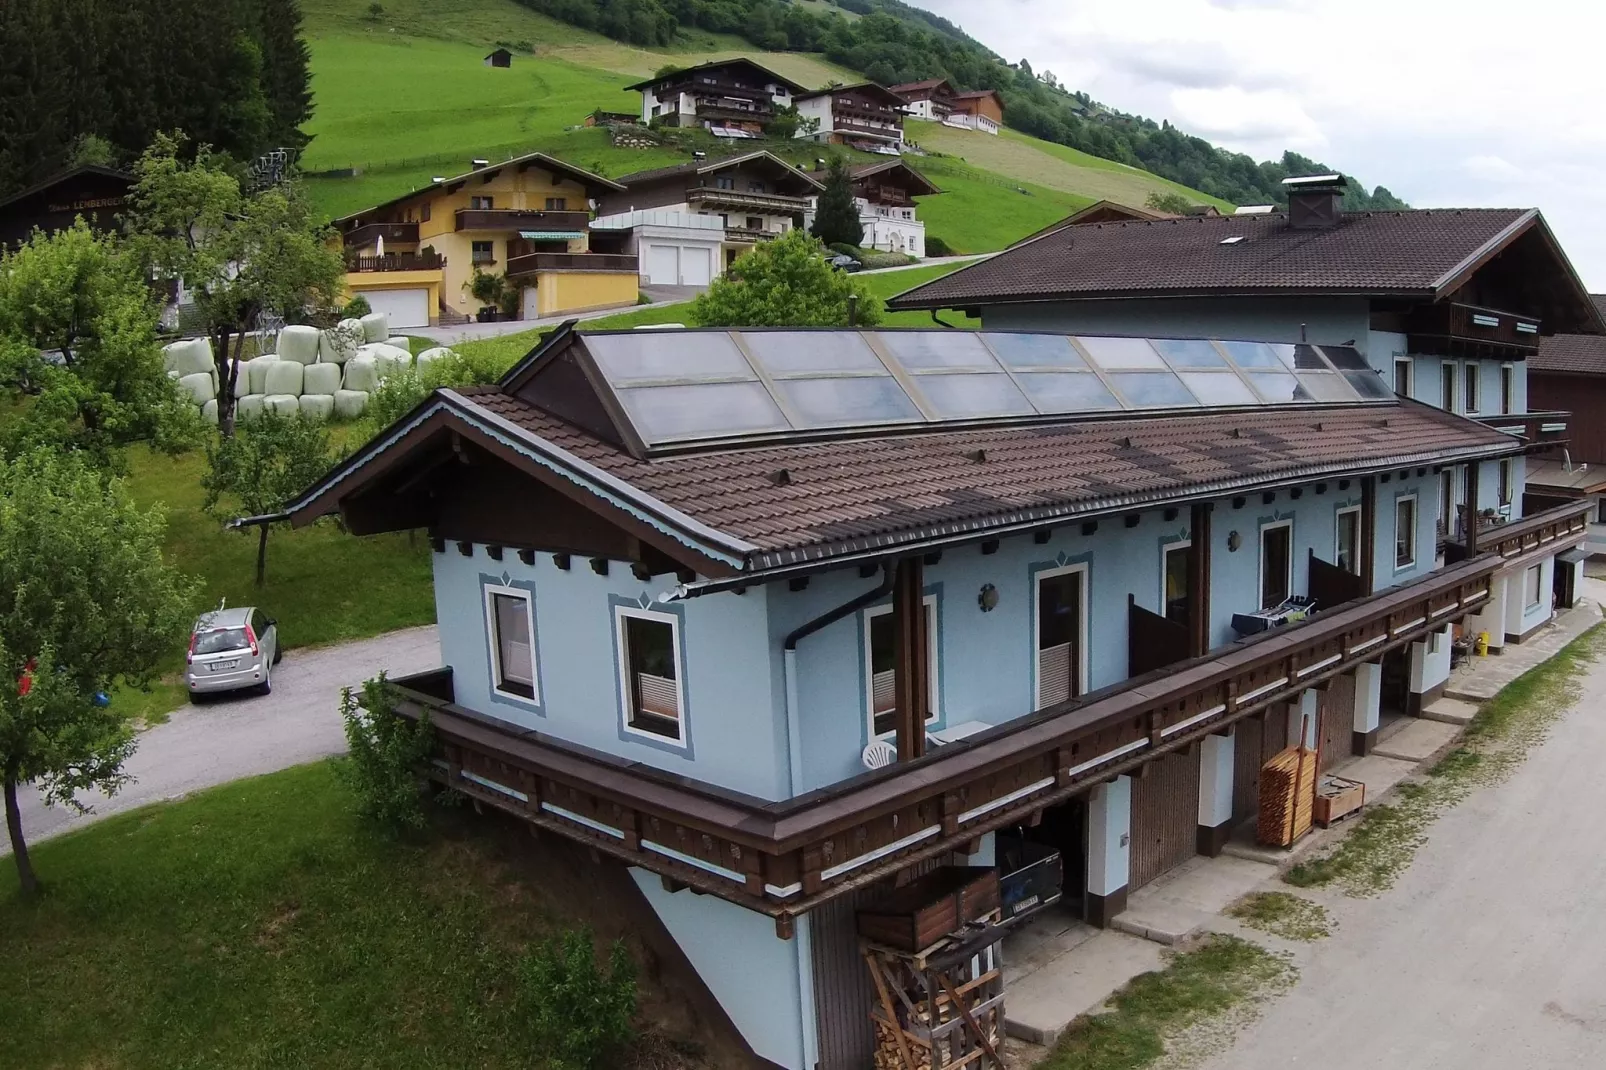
column 939, row 321
column 803, row 943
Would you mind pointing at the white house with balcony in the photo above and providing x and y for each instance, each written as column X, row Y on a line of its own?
column 885, row 194
column 864, row 116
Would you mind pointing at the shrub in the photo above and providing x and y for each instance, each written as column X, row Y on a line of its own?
column 845, row 249
column 386, row 753
column 357, row 308
column 935, row 246
column 401, row 391
column 885, row 260
column 580, row 1012
column 784, row 283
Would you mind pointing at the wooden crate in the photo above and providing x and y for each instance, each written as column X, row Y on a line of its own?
column 927, row 909
column 1337, row 798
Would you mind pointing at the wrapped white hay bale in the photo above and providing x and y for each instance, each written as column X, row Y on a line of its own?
column 320, row 379
column 199, row 386
column 209, row 412
column 283, row 404
column 431, row 356
column 187, row 357
column 400, row 341
column 375, row 327
column 248, row 408
column 362, row 373
column 241, row 377
column 255, row 374
column 349, row 404
column 388, row 358
column 300, row 343
column 283, row 377
column 317, row 406
column 339, row 343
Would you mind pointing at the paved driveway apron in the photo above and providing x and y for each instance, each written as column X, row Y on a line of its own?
column 1488, row 954
column 239, row 736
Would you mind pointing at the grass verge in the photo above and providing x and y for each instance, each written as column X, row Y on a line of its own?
column 1370, row 859
column 1282, row 914
column 1222, row 981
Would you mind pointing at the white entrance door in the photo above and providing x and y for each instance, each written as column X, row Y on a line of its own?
column 663, row 265
column 530, row 304
column 696, row 266
column 406, row 308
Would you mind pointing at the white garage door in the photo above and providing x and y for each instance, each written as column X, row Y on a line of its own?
column 695, row 266
column 406, row 308
column 663, row 265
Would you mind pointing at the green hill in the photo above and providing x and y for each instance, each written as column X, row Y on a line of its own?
column 404, row 97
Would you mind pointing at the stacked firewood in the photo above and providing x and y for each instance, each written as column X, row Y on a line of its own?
column 1287, row 797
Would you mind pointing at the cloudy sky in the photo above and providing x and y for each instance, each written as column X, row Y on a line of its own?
column 1464, row 104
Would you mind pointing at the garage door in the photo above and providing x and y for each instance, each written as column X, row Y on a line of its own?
column 1258, row 738
column 1165, row 816
column 663, row 265
column 1337, row 708
column 696, row 266
column 406, row 308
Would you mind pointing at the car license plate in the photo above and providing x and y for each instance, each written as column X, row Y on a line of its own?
column 224, row 666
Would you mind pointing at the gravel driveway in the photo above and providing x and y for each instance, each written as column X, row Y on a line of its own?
column 239, row 736
column 1486, row 955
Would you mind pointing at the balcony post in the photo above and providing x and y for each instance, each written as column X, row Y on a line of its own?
column 1368, row 534
column 1199, row 581
column 1430, row 670
column 1472, row 509
column 1215, row 793
column 911, row 679
column 1368, row 707
column 1109, row 849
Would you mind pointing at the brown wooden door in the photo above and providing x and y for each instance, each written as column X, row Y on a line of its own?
column 1337, row 706
column 1257, row 739
column 1165, row 816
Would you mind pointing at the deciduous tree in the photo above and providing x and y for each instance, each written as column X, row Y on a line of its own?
column 260, row 468
column 86, row 600
column 785, row 283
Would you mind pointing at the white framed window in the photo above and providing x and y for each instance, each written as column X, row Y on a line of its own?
column 1471, row 382
column 1276, row 563
column 1059, row 634
column 1531, row 588
column 1446, row 502
column 510, row 627
column 1175, row 558
column 650, row 692
column 1448, row 395
column 1403, row 376
column 881, row 659
column 1405, row 531
column 1508, row 388
column 1347, row 539
column 1508, row 480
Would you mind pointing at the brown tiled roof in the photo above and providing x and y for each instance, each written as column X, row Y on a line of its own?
column 975, row 94
column 1407, row 252
column 915, row 87
column 736, row 61
column 696, row 167
column 1573, row 354
column 857, row 494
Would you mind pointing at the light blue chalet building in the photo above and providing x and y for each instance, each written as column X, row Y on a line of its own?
column 769, row 618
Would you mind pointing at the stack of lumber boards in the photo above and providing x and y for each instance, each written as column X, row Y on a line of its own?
column 1287, row 797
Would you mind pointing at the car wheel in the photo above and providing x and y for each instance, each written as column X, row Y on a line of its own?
column 266, row 687
column 278, row 654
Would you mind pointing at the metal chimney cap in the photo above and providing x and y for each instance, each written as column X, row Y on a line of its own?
column 1315, row 181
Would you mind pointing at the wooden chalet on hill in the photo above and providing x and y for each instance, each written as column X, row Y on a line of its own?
column 733, row 98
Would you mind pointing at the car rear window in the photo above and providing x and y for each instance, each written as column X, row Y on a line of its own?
column 218, row 640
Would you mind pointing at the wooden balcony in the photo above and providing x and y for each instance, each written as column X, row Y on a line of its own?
column 1456, row 330
column 430, row 261
column 530, row 263
column 848, row 124
column 1534, row 428
column 750, row 234
column 1538, row 531
column 370, row 233
column 711, row 197
column 785, row 858
column 521, row 219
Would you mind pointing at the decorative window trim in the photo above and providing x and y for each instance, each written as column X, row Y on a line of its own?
column 1472, row 387
column 1082, row 660
column 1538, row 573
column 490, row 586
column 1415, row 533
column 680, row 743
column 933, row 656
column 1260, row 562
column 1410, row 376
column 1360, row 532
column 1450, row 385
column 1166, row 549
column 1508, row 388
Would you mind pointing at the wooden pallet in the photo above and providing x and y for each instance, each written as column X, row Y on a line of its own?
column 940, row 1008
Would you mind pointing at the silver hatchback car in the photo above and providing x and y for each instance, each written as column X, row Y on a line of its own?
column 232, row 649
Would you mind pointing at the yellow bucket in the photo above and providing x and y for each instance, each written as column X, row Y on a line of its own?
column 1482, row 644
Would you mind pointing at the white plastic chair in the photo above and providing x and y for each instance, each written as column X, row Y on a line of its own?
column 879, row 754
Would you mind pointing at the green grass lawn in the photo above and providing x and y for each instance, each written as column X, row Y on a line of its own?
column 975, row 216
column 263, row 925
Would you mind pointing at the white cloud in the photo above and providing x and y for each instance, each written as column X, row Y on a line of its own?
column 1486, row 108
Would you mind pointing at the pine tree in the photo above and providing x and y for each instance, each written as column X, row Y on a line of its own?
column 286, row 71
column 836, row 217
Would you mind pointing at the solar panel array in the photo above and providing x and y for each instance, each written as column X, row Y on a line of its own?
column 683, row 386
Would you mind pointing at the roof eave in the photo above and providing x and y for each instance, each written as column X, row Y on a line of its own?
column 909, row 302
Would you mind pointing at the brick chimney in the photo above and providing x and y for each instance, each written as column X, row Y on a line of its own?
column 1314, row 201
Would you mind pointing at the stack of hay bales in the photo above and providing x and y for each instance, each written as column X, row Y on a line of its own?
column 320, row 374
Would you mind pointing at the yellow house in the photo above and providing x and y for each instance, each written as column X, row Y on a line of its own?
column 527, row 220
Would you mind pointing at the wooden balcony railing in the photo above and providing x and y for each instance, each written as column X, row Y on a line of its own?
column 1532, row 427
column 752, row 234
column 369, row 233
column 430, row 261
column 531, row 262
column 553, row 222
column 1536, row 531
column 1457, row 330
column 772, row 203
column 786, row 858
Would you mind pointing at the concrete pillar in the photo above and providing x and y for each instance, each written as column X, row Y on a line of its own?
column 1215, row 793
column 1516, row 603
column 986, row 856
column 1303, row 723
column 1368, row 707
column 1492, row 617
column 1109, row 850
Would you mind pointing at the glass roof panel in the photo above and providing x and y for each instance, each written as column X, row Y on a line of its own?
column 1369, row 385
column 1189, row 352
column 812, row 352
column 968, row 397
column 1153, row 390
column 685, row 356
column 1219, row 388
column 702, row 410
column 1252, row 355
column 1035, row 350
column 1345, row 358
column 1067, row 392
column 1307, row 359
column 846, row 400
column 1278, row 388
column 1326, row 386
column 921, row 351
column 1117, row 353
